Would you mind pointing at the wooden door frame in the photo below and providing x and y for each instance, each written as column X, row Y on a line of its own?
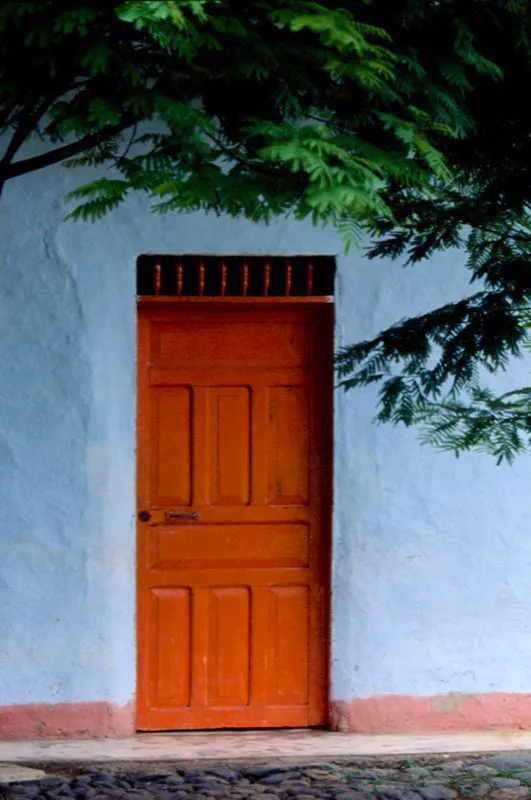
column 168, row 302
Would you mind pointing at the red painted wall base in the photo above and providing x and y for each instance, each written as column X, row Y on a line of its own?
column 379, row 714
column 442, row 712
column 66, row 719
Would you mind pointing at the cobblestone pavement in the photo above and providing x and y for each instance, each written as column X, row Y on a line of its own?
column 501, row 777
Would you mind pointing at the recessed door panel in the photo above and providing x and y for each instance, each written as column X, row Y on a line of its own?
column 222, row 545
column 171, row 434
column 170, row 649
column 230, row 451
column 229, row 676
column 288, row 445
column 288, row 640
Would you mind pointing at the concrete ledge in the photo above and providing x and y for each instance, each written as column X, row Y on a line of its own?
column 263, row 746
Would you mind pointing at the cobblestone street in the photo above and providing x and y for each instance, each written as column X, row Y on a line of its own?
column 500, row 777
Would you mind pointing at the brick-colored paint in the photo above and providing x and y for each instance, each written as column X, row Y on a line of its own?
column 451, row 712
column 37, row 720
column 443, row 712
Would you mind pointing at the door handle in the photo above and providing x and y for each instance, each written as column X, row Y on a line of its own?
column 171, row 515
column 144, row 516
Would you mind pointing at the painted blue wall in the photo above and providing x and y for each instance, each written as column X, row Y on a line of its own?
column 432, row 586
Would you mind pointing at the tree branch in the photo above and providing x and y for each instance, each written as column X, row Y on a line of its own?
column 34, row 163
column 28, row 120
column 22, row 131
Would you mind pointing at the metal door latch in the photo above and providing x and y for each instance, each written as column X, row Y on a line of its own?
column 171, row 515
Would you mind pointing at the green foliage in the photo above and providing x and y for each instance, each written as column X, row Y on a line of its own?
column 409, row 120
column 259, row 109
column 433, row 371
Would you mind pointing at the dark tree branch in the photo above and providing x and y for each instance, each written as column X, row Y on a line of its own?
column 27, row 122
column 22, row 131
column 34, row 163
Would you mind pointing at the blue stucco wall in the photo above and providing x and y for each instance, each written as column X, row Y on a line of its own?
column 431, row 578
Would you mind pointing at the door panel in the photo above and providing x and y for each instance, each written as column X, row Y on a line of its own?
column 229, row 442
column 171, row 433
column 252, row 343
column 229, row 678
column 288, row 445
column 233, row 552
column 288, row 642
column 170, row 611
column 224, row 546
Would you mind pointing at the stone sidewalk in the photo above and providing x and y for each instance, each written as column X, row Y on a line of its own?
column 288, row 744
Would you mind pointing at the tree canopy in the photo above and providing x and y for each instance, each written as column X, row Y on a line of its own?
column 256, row 108
column 432, row 369
column 409, row 120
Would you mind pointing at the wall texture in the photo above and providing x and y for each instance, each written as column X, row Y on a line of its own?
column 431, row 578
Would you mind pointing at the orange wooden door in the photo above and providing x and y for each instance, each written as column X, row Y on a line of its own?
column 234, row 475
